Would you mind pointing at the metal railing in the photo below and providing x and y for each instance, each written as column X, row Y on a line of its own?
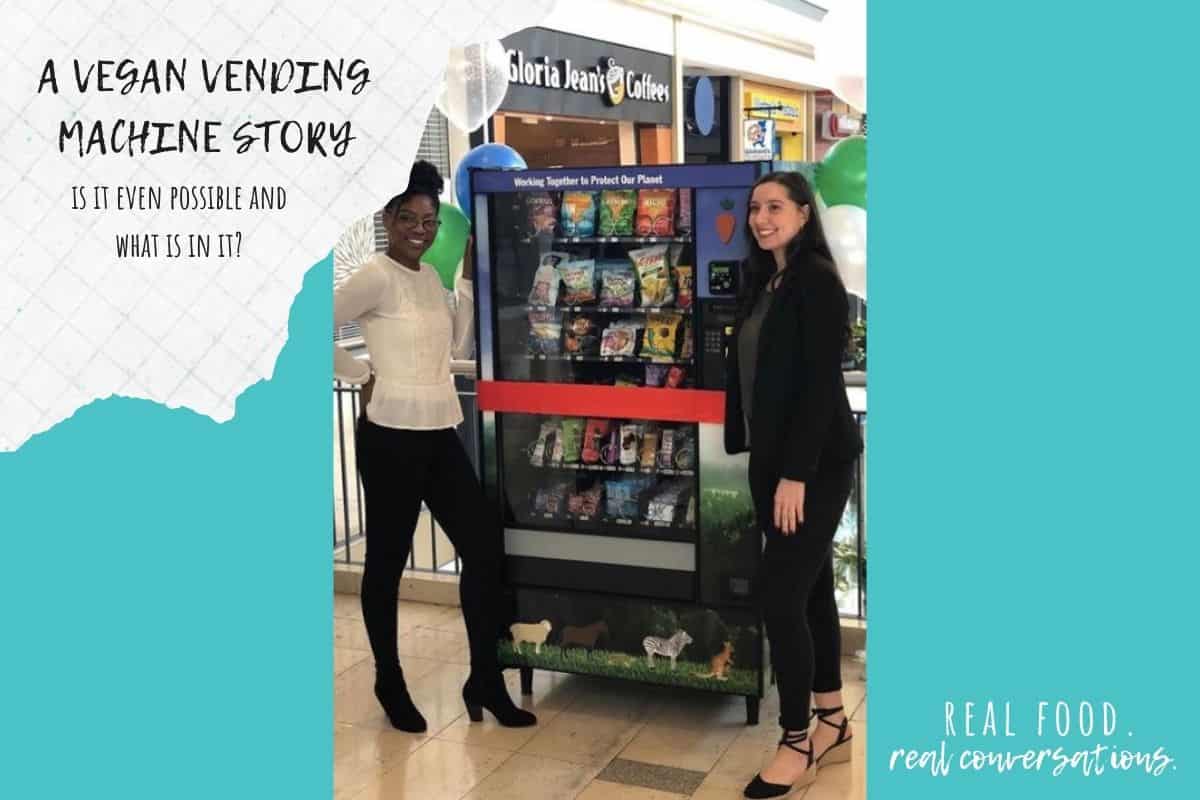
column 432, row 551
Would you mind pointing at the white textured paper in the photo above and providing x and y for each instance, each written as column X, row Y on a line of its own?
column 77, row 323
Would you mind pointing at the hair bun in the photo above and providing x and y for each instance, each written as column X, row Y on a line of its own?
column 425, row 176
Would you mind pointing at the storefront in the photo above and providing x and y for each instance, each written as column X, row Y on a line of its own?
column 578, row 102
column 833, row 120
column 775, row 123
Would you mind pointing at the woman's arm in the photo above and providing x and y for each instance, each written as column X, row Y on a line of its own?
column 354, row 298
column 823, row 319
column 464, row 313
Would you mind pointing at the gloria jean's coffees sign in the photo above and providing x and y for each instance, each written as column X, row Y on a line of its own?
column 559, row 74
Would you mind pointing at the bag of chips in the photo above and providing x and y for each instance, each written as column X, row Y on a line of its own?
column 656, row 212
column 619, row 339
column 579, row 281
column 617, row 207
column 545, row 333
column 685, row 449
column 656, row 374
column 675, row 376
column 688, row 350
column 666, row 499
column 546, row 279
column 541, row 213
column 551, row 500
column 622, row 496
column 666, row 449
column 537, row 457
column 683, row 223
column 654, row 278
column 594, row 436
column 627, row 379
column 648, row 457
column 572, row 438
column 683, row 285
column 617, row 284
column 578, row 217
column 581, row 336
column 658, row 341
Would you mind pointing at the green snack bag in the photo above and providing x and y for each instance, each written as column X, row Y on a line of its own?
column 572, row 438
column 617, row 207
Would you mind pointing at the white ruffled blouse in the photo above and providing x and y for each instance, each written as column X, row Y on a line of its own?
column 411, row 333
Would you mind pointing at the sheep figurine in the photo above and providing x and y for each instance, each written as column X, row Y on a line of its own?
column 534, row 633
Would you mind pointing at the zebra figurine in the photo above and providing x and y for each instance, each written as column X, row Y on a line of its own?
column 671, row 648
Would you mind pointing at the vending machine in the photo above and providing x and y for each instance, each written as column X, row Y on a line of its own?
column 605, row 300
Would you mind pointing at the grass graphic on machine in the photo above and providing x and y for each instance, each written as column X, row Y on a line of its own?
column 714, row 655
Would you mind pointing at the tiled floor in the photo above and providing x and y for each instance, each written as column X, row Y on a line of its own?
column 594, row 740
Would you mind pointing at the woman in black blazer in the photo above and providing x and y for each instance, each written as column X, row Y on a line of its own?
column 786, row 403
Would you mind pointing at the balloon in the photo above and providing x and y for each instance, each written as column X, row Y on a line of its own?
column 842, row 174
column 475, row 84
column 846, row 231
column 485, row 156
column 841, row 51
column 448, row 247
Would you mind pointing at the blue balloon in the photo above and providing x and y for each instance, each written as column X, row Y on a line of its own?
column 485, row 156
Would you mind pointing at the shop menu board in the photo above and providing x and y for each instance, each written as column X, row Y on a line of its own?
column 595, row 287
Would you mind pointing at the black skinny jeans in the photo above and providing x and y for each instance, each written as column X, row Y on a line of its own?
column 796, row 589
column 400, row 468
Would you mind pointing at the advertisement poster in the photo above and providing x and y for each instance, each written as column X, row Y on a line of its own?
column 469, row 401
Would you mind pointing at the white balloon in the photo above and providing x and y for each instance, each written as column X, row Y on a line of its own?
column 846, row 231
column 475, row 84
column 841, row 51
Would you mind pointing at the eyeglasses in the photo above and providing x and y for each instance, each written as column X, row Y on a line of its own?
column 413, row 221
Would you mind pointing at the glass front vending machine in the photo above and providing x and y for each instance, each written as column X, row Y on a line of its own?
column 605, row 299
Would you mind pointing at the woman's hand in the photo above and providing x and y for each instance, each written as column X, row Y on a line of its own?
column 468, row 270
column 789, row 506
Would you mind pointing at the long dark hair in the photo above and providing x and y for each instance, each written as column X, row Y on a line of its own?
column 758, row 269
column 425, row 179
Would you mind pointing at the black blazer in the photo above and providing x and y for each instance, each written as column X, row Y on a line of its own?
column 800, row 422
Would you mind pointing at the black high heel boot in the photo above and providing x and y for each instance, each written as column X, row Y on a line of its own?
column 492, row 694
column 392, row 693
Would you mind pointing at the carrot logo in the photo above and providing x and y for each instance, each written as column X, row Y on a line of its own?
column 726, row 221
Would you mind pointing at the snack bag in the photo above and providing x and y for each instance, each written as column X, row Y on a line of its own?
column 683, row 222
column 541, row 213
column 653, row 276
column 626, row 379
column 648, row 457
column 579, row 280
column 572, row 436
column 656, row 212
column 631, row 436
column 685, row 449
column 688, row 350
column 580, row 336
column 545, row 439
column 675, row 376
column 666, row 450
column 617, row 284
column 594, row 437
column 545, row 333
column 619, row 340
column 658, row 341
column 684, row 275
column 578, row 217
column 656, row 374
column 546, row 279
column 617, row 207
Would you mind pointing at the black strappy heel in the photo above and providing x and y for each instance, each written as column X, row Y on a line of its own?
column 758, row 789
column 836, row 752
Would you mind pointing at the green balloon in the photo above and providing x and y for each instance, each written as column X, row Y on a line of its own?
column 448, row 247
column 842, row 174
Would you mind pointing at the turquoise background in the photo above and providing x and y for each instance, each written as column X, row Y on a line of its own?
column 1032, row 432
column 167, row 592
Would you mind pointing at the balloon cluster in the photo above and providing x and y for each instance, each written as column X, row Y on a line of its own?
column 841, row 182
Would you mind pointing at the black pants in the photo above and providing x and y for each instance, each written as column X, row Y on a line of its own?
column 400, row 468
column 796, row 589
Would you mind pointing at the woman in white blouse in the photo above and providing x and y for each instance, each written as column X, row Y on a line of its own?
column 408, row 450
